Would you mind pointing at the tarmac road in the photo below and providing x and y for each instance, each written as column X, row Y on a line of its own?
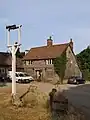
column 78, row 95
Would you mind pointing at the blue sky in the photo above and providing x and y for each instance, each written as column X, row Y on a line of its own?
column 64, row 19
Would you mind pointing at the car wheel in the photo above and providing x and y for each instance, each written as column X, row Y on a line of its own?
column 77, row 83
column 67, row 82
column 27, row 81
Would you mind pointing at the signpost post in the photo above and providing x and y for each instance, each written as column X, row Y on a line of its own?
column 13, row 48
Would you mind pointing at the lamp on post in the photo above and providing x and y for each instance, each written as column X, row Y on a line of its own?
column 13, row 48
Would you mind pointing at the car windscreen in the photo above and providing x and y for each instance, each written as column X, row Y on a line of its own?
column 16, row 75
column 21, row 75
column 26, row 74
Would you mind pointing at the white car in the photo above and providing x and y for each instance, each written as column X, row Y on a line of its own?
column 21, row 77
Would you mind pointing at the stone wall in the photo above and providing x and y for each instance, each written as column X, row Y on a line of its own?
column 29, row 70
column 49, row 74
column 47, row 70
column 36, row 65
column 72, row 66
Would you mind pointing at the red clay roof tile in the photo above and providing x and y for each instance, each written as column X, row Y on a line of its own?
column 45, row 52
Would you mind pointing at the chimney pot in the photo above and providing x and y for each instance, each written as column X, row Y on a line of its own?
column 71, row 40
column 49, row 41
column 71, row 43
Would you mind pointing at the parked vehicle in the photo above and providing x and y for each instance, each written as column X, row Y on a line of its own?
column 76, row 80
column 21, row 77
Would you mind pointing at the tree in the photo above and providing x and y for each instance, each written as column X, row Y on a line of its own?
column 19, row 54
column 60, row 66
column 83, row 59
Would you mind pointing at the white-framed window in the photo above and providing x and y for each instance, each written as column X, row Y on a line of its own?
column 27, row 62
column 2, row 70
column 30, row 62
column 49, row 62
column 24, row 62
column 46, row 62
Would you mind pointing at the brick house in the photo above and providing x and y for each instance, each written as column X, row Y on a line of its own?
column 39, row 60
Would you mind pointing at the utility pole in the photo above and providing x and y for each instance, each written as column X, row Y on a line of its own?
column 13, row 48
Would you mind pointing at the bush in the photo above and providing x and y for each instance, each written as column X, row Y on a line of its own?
column 86, row 75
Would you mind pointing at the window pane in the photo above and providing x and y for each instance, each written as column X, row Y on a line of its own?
column 46, row 62
column 24, row 62
column 27, row 62
column 16, row 75
column 2, row 70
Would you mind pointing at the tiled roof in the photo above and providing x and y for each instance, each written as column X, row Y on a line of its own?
column 45, row 52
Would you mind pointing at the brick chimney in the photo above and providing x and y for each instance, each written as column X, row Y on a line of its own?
column 49, row 41
column 71, row 43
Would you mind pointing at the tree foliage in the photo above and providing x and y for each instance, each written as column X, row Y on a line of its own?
column 83, row 59
column 18, row 53
column 60, row 66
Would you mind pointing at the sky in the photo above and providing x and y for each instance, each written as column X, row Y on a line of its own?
column 61, row 19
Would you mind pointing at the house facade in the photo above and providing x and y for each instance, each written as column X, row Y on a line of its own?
column 5, row 62
column 19, row 62
column 38, row 62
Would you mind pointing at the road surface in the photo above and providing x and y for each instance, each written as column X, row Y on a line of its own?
column 79, row 96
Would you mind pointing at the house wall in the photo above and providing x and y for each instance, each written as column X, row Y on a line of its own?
column 47, row 70
column 48, row 73
column 3, row 70
column 72, row 66
column 36, row 65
